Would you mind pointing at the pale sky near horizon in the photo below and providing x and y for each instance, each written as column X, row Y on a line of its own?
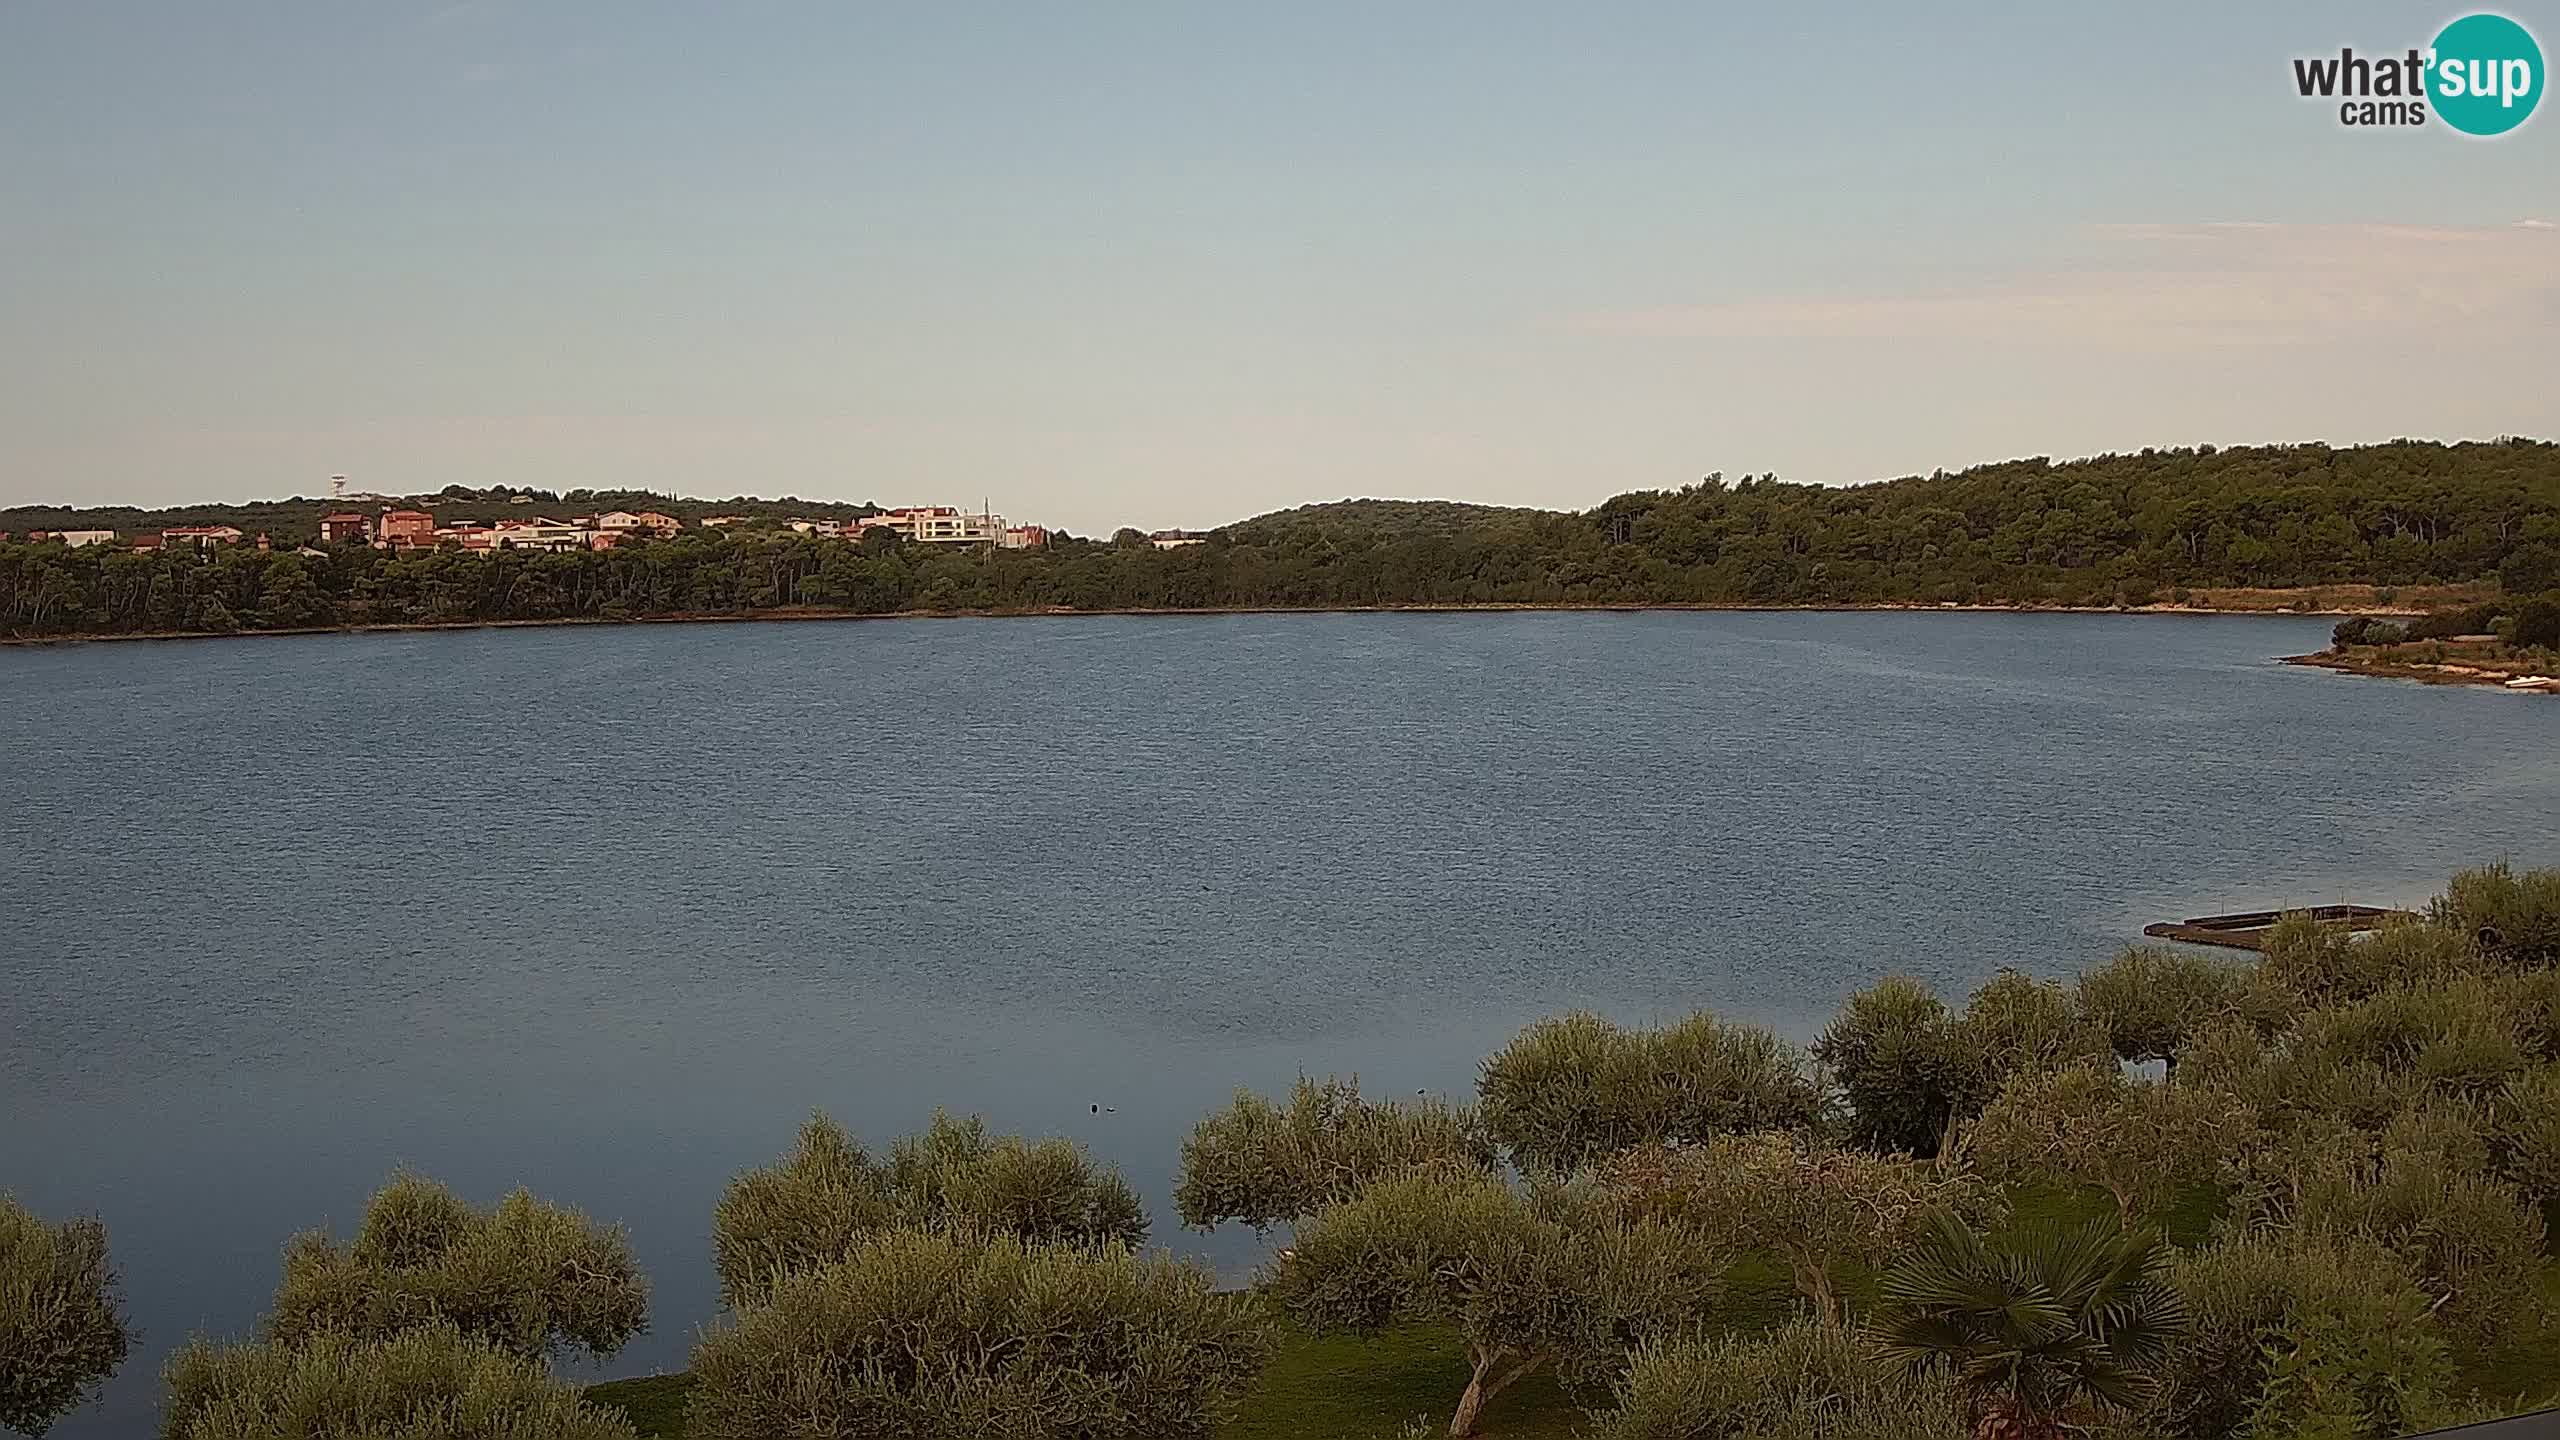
column 1174, row 264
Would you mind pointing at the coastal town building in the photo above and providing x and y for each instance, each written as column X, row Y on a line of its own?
column 648, row 521
column 405, row 529
column 203, row 537
column 930, row 524
column 950, row 525
column 345, row 527
column 74, row 538
column 1176, row 539
column 542, row 534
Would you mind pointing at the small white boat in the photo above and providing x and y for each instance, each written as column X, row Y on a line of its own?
column 2534, row 682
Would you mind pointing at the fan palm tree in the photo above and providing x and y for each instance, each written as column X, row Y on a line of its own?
column 2040, row 1327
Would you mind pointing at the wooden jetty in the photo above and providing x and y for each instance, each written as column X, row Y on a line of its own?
column 2247, row 929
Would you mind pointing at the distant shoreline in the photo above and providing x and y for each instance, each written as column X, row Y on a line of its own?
column 713, row 617
column 2455, row 670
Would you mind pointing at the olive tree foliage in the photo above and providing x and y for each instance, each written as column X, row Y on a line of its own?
column 2461, row 1036
column 2305, row 1333
column 527, row 1277
column 1554, row 1276
column 2420, row 1189
column 1891, row 1050
column 2303, row 964
column 937, row 1334
column 1820, row 1205
column 829, row 1194
column 1047, row 1192
column 427, row 1383
column 62, row 1324
column 1911, row 1072
column 2363, row 1060
column 2511, row 919
column 2524, row 1131
column 2015, row 1025
column 1578, row 1088
column 2141, row 1141
column 1801, row 1381
column 2151, row 1001
column 1261, row 1162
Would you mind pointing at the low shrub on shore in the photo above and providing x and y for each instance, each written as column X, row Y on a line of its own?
column 527, row 1277
column 428, row 1383
column 941, row 1335
column 829, row 1195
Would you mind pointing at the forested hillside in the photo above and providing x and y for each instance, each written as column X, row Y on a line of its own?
column 2118, row 529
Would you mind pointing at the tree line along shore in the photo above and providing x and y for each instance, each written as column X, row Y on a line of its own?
column 2184, row 1197
column 2403, row 526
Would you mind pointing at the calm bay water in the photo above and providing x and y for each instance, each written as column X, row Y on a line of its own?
column 606, row 912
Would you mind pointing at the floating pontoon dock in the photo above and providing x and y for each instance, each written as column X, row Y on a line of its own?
column 2247, row 930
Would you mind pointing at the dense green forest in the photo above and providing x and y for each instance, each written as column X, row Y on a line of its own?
column 2117, row 529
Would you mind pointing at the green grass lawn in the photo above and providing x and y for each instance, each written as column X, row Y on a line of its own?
column 1345, row 1387
column 655, row 1403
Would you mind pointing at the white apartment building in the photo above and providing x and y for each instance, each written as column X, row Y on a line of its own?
column 938, row 525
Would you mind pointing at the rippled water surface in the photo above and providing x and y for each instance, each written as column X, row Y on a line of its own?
column 605, row 912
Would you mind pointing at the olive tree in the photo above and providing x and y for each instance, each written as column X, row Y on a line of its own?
column 1048, row 1192
column 62, row 1324
column 829, row 1194
column 2151, row 1001
column 431, row 1382
column 1892, row 1050
column 2303, row 963
column 1815, row 1203
column 1557, row 1276
column 1262, row 1162
column 1800, row 1381
column 1911, row 1072
column 526, row 1277
column 2091, row 1124
column 1577, row 1088
column 2511, row 919
column 2475, row 1240
column 2297, row 1333
column 2457, row 1036
column 937, row 1334
column 2016, row 1024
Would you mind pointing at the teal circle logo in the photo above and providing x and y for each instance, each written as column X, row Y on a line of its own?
column 2484, row 75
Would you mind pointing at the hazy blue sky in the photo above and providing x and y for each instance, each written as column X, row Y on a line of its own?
column 1177, row 263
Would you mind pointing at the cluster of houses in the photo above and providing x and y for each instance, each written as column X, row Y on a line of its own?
column 931, row 525
column 418, row 530
column 398, row 529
